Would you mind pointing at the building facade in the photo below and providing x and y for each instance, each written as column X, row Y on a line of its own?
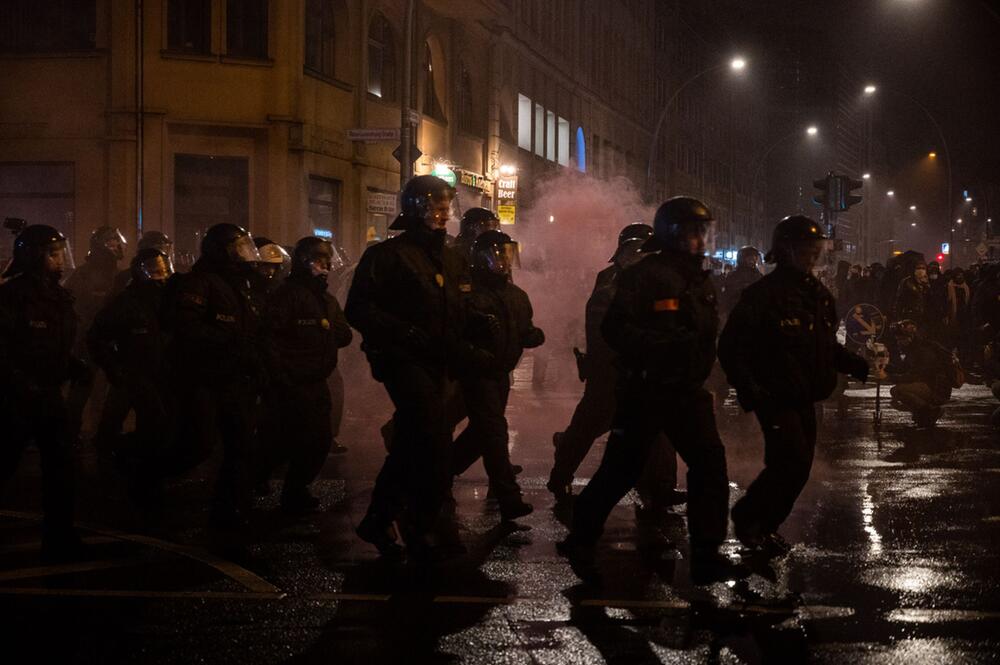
column 283, row 116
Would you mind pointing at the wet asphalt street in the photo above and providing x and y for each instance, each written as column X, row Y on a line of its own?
column 895, row 561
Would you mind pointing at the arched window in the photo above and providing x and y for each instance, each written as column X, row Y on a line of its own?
column 321, row 37
column 432, row 103
column 467, row 119
column 381, row 59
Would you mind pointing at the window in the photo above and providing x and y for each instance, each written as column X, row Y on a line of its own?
column 432, row 105
column 581, row 150
column 28, row 26
column 563, row 142
column 467, row 119
column 246, row 28
column 320, row 37
column 189, row 25
column 208, row 190
column 39, row 193
column 381, row 59
column 523, row 122
column 539, row 130
column 324, row 207
column 550, row 136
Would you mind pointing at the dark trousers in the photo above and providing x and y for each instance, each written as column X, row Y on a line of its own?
column 295, row 429
column 417, row 471
column 789, row 443
column 688, row 420
column 336, row 385
column 210, row 415
column 592, row 419
column 41, row 418
column 486, row 435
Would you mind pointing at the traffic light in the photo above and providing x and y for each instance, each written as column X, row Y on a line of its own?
column 940, row 258
column 826, row 198
column 847, row 186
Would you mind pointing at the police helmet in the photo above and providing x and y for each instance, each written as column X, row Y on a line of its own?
column 229, row 243
column 157, row 240
column 30, row 247
column 478, row 220
column 108, row 239
column 495, row 252
column 151, row 265
column 314, row 252
column 674, row 219
column 272, row 252
column 416, row 198
column 794, row 228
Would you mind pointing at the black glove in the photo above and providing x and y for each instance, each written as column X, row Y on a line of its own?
column 533, row 338
column 859, row 368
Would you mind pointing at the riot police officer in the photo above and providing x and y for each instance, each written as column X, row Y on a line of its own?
column 407, row 301
column 594, row 413
column 37, row 329
column 149, row 240
column 128, row 344
column 216, row 355
column 303, row 329
column 474, row 223
column 662, row 324
column 499, row 316
column 780, row 352
column 92, row 284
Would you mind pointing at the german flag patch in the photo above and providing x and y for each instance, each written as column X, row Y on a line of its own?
column 666, row 305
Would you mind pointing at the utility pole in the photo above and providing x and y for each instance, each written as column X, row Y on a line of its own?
column 405, row 124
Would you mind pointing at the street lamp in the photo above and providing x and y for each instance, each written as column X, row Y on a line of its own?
column 913, row 207
column 932, row 155
column 866, row 176
column 812, row 130
column 737, row 65
column 890, row 193
column 870, row 89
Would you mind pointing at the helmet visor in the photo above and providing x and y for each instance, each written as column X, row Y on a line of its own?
column 273, row 253
column 501, row 259
column 629, row 252
column 242, row 250
column 156, row 269
column 58, row 257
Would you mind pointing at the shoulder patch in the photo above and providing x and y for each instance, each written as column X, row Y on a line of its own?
column 666, row 305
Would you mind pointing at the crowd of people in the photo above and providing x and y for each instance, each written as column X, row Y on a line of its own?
column 240, row 352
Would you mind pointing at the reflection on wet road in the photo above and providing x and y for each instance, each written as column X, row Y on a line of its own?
column 894, row 562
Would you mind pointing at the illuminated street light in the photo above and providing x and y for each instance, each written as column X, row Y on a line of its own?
column 958, row 221
column 968, row 199
column 932, row 155
column 890, row 193
column 870, row 89
column 913, row 207
column 866, row 176
column 812, row 130
column 913, row 223
column 738, row 64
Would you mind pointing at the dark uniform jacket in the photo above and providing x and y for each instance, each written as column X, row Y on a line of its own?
column 406, row 299
column 37, row 329
column 214, row 325
column 303, row 328
column 93, row 283
column 126, row 339
column 913, row 302
column 663, row 321
column 599, row 354
column 780, row 341
column 499, row 315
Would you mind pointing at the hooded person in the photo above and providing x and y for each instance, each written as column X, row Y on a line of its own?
column 303, row 329
column 37, row 328
column 407, row 300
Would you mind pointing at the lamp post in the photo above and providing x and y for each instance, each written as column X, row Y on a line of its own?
column 736, row 65
column 811, row 131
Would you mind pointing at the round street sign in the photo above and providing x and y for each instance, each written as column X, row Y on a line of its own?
column 864, row 322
